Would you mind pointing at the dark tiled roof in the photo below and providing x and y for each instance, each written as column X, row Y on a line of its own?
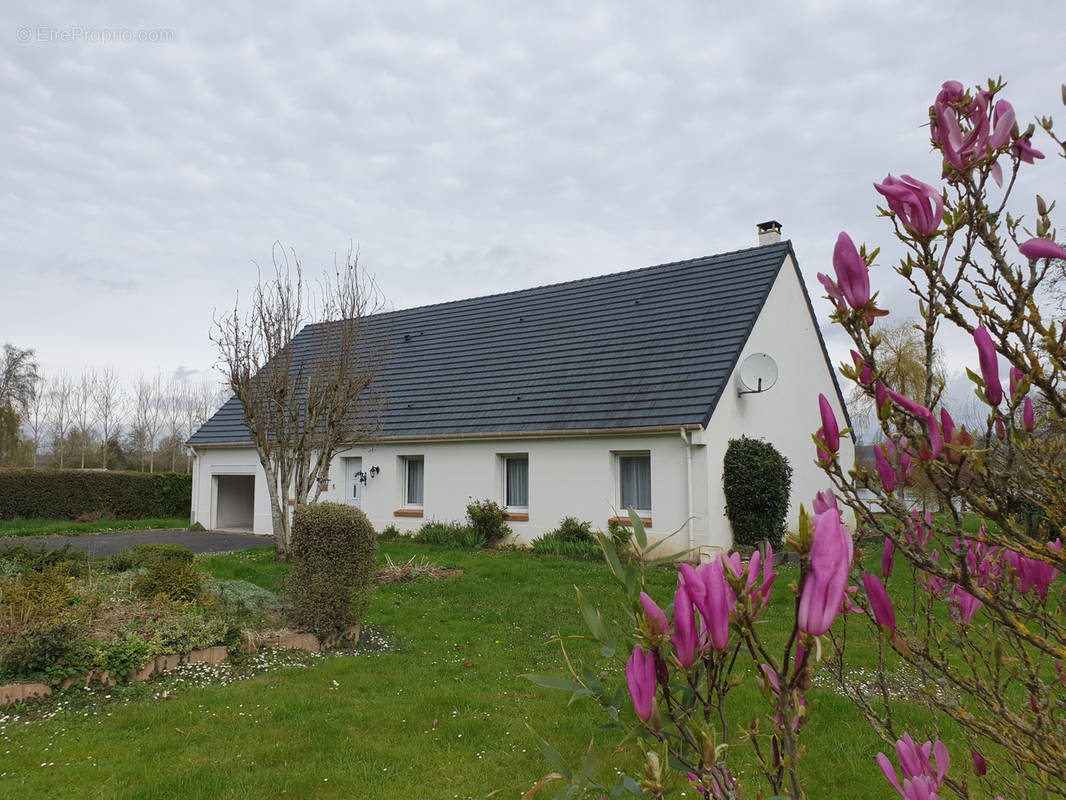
column 643, row 348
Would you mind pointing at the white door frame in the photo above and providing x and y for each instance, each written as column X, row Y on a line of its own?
column 353, row 487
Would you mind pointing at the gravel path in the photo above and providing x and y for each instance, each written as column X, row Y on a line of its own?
column 105, row 544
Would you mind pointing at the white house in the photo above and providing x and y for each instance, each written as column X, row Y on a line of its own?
column 577, row 399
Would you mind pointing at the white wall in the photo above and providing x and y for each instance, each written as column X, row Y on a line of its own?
column 568, row 476
column 210, row 463
column 787, row 414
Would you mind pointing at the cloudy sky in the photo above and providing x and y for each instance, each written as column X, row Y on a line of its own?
column 464, row 148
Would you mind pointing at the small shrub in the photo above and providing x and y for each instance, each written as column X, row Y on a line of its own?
column 450, row 534
column 757, row 481
column 149, row 554
column 127, row 651
column 243, row 598
column 43, row 651
column 555, row 544
column 36, row 599
column 621, row 535
column 20, row 560
column 334, row 548
column 571, row 529
column 173, row 579
column 122, row 561
column 390, row 533
column 192, row 632
column 488, row 519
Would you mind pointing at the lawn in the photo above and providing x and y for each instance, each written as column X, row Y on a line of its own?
column 47, row 527
column 441, row 712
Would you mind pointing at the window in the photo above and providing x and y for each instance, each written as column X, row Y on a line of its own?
column 414, row 470
column 516, row 481
column 634, row 481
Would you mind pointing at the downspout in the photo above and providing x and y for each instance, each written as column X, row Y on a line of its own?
column 195, row 487
column 686, row 437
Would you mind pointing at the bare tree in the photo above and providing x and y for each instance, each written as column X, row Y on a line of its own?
column 148, row 417
column 303, row 366
column 18, row 377
column 83, row 411
column 173, row 412
column 200, row 403
column 109, row 403
column 60, row 394
column 37, row 413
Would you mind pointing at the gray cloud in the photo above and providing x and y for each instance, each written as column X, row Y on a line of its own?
column 465, row 150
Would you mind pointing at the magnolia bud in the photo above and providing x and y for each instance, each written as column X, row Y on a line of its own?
column 1064, row 94
column 1041, row 206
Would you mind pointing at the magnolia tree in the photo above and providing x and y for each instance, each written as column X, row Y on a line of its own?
column 969, row 621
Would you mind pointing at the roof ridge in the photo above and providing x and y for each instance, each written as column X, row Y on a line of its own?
column 784, row 244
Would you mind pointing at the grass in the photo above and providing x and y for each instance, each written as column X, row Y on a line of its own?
column 48, row 527
column 442, row 712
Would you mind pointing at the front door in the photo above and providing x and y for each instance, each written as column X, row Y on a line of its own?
column 354, row 482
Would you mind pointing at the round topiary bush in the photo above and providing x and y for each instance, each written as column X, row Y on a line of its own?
column 758, row 482
column 334, row 548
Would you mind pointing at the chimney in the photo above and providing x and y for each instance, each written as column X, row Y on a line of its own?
column 769, row 232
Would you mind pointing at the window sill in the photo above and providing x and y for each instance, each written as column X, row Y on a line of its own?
column 514, row 516
column 645, row 521
column 407, row 512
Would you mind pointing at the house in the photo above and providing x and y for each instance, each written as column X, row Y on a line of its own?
column 576, row 399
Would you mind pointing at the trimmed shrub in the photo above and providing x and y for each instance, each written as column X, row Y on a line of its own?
column 757, row 481
column 488, row 519
column 68, row 494
column 173, row 579
column 450, row 534
column 571, row 529
column 334, row 549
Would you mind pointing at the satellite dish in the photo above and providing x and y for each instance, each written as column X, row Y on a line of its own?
column 758, row 372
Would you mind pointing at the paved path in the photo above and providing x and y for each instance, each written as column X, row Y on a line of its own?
column 105, row 544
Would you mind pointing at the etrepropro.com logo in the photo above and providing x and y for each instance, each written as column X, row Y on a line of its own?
column 50, row 34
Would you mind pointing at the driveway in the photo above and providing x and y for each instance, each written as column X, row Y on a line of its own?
column 105, row 544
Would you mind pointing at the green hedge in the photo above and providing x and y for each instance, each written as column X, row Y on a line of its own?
column 66, row 494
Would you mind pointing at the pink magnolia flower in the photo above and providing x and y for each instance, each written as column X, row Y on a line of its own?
column 655, row 615
column 1042, row 248
column 904, row 402
column 1015, row 382
column 832, row 290
column 1032, row 573
column 921, row 781
column 720, row 601
column 947, row 424
column 885, row 470
column 1024, row 151
column 979, row 765
column 853, row 276
column 888, row 558
column 1028, row 415
column 862, row 369
column 986, row 354
column 830, row 428
column 1003, row 122
column 684, row 638
column 825, row 500
column 826, row 582
column 918, row 205
column 1001, row 431
column 880, row 604
column 640, row 677
column 965, row 603
column 880, row 396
